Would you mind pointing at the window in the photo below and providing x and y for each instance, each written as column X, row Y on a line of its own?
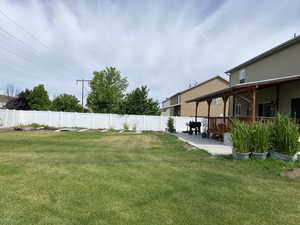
column 242, row 76
column 238, row 109
column 216, row 101
column 266, row 110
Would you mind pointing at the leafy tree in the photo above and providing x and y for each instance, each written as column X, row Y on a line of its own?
column 138, row 102
column 107, row 91
column 66, row 103
column 39, row 99
column 21, row 102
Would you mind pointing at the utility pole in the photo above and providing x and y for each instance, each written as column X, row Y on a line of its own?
column 82, row 90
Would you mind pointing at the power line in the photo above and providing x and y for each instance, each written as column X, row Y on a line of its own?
column 22, row 28
column 30, row 34
column 17, row 39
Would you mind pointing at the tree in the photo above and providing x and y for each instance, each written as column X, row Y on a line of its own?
column 137, row 102
column 21, row 102
column 39, row 99
column 66, row 103
column 107, row 91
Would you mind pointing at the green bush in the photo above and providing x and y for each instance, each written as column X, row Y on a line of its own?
column 259, row 137
column 284, row 135
column 170, row 125
column 240, row 136
column 125, row 126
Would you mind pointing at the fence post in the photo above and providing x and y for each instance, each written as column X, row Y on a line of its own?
column 6, row 118
column 109, row 122
column 14, row 118
column 144, row 122
column 161, row 128
column 49, row 119
column 60, row 119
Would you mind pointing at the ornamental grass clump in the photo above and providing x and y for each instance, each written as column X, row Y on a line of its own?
column 170, row 125
column 240, row 137
column 259, row 135
column 284, row 135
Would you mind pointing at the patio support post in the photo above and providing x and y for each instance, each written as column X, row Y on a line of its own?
column 277, row 98
column 208, row 115
column 225, row 98
column 197, row 103
column 233, row 105
column 253, row 94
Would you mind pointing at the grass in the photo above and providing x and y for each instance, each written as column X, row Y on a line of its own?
column 136, row 179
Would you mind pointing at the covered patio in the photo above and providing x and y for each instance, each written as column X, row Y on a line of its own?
column 221, row 125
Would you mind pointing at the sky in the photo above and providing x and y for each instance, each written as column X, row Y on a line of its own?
column 164, row 44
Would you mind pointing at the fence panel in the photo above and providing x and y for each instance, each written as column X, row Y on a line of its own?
column 10, row 118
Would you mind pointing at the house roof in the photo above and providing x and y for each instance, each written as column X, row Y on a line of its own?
column 242, row 87
column 272, row 51
column 198, row 85
column 5, row 98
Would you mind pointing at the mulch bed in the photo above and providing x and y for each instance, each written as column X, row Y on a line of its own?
column 295, row 173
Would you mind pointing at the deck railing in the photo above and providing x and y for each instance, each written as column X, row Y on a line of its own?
column 222, row 125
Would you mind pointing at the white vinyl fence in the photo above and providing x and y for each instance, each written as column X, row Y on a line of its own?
column 11, row 118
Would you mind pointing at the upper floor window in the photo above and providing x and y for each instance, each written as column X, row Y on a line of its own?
column 242, row 76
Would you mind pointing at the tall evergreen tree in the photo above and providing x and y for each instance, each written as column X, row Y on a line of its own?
column 138, row 102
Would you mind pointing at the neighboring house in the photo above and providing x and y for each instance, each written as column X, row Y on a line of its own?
column 3, row 100
column 165, row 109
column 262, row 86
column 176, row 105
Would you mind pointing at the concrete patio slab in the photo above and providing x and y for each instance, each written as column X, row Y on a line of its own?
column 213, row 147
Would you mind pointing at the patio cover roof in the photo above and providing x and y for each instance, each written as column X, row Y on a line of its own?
column 244, row 87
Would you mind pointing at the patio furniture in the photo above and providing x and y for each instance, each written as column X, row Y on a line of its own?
column 194, row 127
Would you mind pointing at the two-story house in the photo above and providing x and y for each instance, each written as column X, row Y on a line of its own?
column 176, row 105
column 281, row 62
column 262, row 86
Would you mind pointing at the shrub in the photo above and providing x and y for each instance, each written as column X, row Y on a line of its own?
column 134, row 127
column 170, row 125
column 240, row 136
column 284, row 135
column 259, row 137
column 126, row 126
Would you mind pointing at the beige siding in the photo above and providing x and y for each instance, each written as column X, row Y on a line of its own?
column 188, row 109
column 280, row 64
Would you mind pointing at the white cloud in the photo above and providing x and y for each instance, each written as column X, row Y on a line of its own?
column 163, row 44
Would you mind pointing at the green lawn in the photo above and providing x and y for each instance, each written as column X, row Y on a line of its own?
column 150, row 178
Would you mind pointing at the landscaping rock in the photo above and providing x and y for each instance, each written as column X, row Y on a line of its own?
column 67, row 130
column 24, row 128
column 103, row 131
column 82, row 130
